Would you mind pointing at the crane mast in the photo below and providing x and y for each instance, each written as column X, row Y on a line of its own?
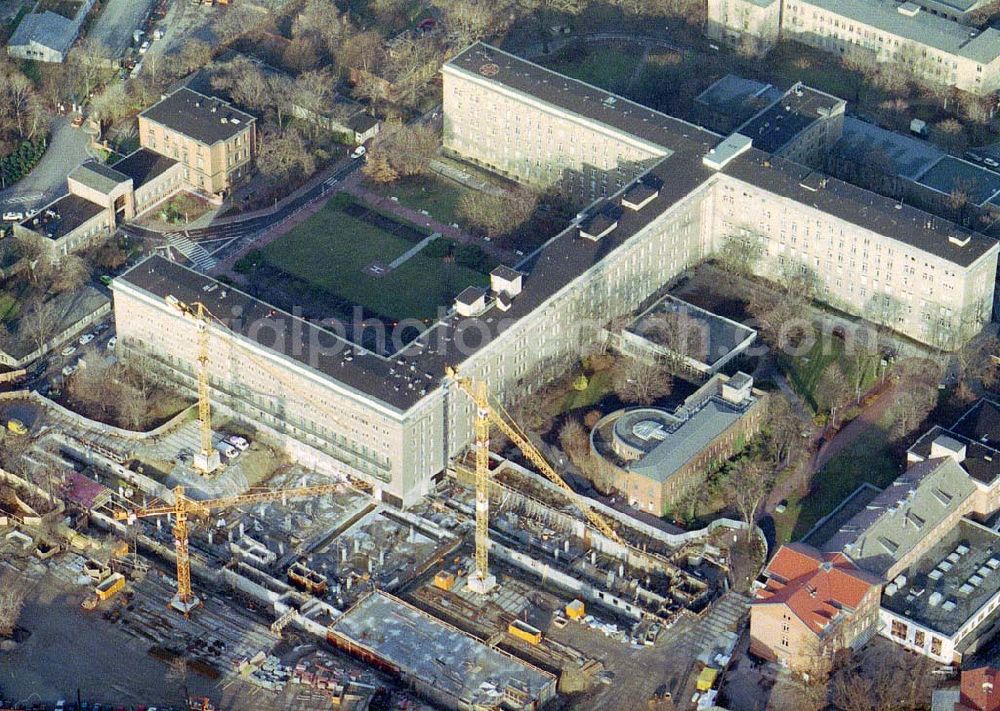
column 487, row 414
column 208, row 459
column 184, row 507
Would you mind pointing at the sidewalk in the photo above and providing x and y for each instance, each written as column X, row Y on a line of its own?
column 352, row 185
column 310, row 184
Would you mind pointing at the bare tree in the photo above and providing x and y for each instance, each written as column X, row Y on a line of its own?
column 378, row 170
column 13, row 592
column 19, row 105
column 781, row 428
column 72, row 274
column 497, row 214
column 364, row 51
column 834, row 390
column 407, row 150
column 642, row 383
column 750, row 485
column 39, row 322
column 245, row 82
column 91, row 60
column 313, row 92
column 741, row 253
column 285, row 154
column 573, row 439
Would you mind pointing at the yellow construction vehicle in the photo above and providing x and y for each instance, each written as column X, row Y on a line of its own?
column 185, row 507
column 487, row 412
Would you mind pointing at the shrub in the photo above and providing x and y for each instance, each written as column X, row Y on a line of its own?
column 438, row 248
column 472, row 257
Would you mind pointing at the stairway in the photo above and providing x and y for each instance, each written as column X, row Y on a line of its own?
column 198, row 255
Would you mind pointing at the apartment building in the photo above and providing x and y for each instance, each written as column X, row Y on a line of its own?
column 812, row 606
column 923, row 38
column 668, row 194
column 213, row 141
column 537, row 142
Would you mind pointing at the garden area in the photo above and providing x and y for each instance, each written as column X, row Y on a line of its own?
column 609, row 66
column 830, row 373
column 181, row 209
column 436, row 195
column 349, row 254
column 872, row 458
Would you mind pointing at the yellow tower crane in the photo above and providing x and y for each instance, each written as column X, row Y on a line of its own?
column 207, row 459
column 487, row 413
column 185, row 507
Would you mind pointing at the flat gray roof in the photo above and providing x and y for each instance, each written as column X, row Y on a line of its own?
column 687, row 439
column 954, row 584
column 144, row 165
column 710, row 338
column 798, row 109
column 907, row 510
column 438, row 655
column 98, row 176
column 924, row 28
column 69, row 212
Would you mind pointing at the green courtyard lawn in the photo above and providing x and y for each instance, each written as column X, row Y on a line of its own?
column 332, row 250
column 805, row 371
column 439, row 196
column 598, row 385
column 606, row 66
column 871, row 458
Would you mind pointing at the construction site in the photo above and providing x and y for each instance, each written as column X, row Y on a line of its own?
column 539, row 604
column 502, row 588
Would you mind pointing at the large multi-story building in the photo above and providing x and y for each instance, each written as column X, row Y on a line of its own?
column 924, row 39
column 812, row 606
column 670, row 194
column 213, row 141
column 189, row 142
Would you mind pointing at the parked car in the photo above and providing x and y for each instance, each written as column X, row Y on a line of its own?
column 241, row 443
column 358, row 152
column 105, row 279
column 69, row 370
column 112, row 342
column 68, row 351
column 145, row 46
column 17, row 427
column 86, row 338
column 13, row 216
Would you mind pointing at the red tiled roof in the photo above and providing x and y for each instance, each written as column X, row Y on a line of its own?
column 815, row 586
column 981, row 689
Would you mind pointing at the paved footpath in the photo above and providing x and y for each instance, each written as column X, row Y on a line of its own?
column 354, row 186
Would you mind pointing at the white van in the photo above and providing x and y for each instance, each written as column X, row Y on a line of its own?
column 227, row 450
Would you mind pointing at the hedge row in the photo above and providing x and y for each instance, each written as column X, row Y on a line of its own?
column 18, row 164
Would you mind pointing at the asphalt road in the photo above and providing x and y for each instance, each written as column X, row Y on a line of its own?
column 67, row 149
column 116, row 22
column 228, row 238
